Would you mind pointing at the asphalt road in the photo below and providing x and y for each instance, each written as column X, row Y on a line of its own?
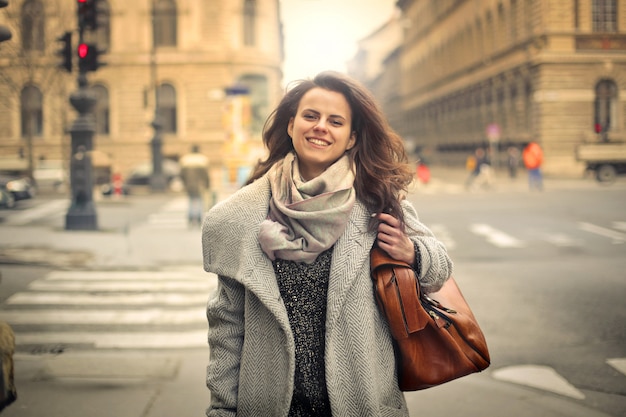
column 546, row 276
column 545, row 273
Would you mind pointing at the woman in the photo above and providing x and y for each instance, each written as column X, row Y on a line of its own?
column 294, row 328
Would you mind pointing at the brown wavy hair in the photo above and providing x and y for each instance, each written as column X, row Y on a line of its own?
column 382, row 171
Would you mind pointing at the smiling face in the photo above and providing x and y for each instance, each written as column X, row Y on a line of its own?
column 321, row 131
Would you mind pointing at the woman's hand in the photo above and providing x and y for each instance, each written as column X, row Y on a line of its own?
column 392, row 239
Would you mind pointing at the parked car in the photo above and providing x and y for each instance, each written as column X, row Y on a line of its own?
column 21, row 188
column 139, row 178
column 51, row 175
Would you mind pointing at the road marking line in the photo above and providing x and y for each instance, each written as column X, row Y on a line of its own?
column 152, row 316
column 496, row 237
column 618, row 363
column 542, row 377
column 620, row 226
column 443, row 235
column 618, row 238
column 104, row 340
column 562, row 240
column 54, row 207
column 121, row 286
column 51, row 298
column 197, row 275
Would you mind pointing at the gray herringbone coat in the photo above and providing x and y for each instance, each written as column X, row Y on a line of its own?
column 252, row 355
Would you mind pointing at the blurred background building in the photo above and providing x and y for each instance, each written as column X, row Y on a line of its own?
column 499, row 73
column 209, row 71
column 452, row 75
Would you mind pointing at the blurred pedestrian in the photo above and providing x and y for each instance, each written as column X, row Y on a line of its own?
column 482, row 173
column 513, row 157
column 294, row 328
column 195, row 177
column 532, row 156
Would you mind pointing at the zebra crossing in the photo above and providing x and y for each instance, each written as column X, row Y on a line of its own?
column 112, row 310
column 578, row 235
column 172, row 215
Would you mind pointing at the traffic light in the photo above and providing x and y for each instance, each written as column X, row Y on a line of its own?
column 5, row 33
column 88, row 54
column 87, row 14
column 66, row 52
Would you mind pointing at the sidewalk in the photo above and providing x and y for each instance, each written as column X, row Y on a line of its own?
column 170, row 383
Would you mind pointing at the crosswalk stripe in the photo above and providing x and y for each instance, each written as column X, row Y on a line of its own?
column 443, row 234
column 197, row 275
column 619, row 226
column 562, row 240
column 617, row 237
column 536, row 376
column 618, row 363
column 118, row 340
column 151, row 316
column 495, row 236
column 53, row 298
column 120, row 286
column 172, row 215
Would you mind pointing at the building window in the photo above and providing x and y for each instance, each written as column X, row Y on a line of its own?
column 101, row 109
column 31, row 111
column 103, row 34
column 605, row 106
column 166, row 107
column 604, row 15
column 249, row 22
column 257, row 85
column 33, row 26
column 164, row 23
column 513, row 20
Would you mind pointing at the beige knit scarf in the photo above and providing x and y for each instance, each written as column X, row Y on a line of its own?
column 306, row 218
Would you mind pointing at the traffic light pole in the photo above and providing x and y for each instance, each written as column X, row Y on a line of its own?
column 82, row 212
column 157, row 179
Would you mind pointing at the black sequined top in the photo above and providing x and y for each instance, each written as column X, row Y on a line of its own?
column 304, row 288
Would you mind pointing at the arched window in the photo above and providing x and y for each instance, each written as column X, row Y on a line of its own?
column 31, row 111
column 33, row 26
column 249, row 22
column 164, row 23
column 257, row 85
column 604, row 15
column 605, row 106
column 166, row 105
column 101, row 109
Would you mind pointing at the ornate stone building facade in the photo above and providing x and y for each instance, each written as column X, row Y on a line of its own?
column 503, row 72
column 184, row 55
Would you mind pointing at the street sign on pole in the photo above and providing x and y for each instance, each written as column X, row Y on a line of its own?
column 493, row 132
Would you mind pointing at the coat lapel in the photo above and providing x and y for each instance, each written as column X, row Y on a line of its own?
column 231, row 245
column 349, row 255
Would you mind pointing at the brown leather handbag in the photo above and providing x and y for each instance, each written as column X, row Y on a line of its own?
column 437, row 336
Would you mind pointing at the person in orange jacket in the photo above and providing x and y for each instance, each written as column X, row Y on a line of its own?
column 533, row 158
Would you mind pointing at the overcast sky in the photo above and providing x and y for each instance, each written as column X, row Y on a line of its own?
column 323, row 34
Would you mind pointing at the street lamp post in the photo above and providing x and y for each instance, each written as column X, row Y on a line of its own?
column 157, row 179
column 82, row 212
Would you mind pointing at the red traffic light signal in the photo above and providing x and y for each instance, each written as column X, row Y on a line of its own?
column 87, row 14
column 66, row 51
column 88, row 55
column 5, row 33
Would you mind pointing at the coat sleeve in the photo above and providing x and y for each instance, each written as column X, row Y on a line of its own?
column 225, row 314
column 435, row 265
